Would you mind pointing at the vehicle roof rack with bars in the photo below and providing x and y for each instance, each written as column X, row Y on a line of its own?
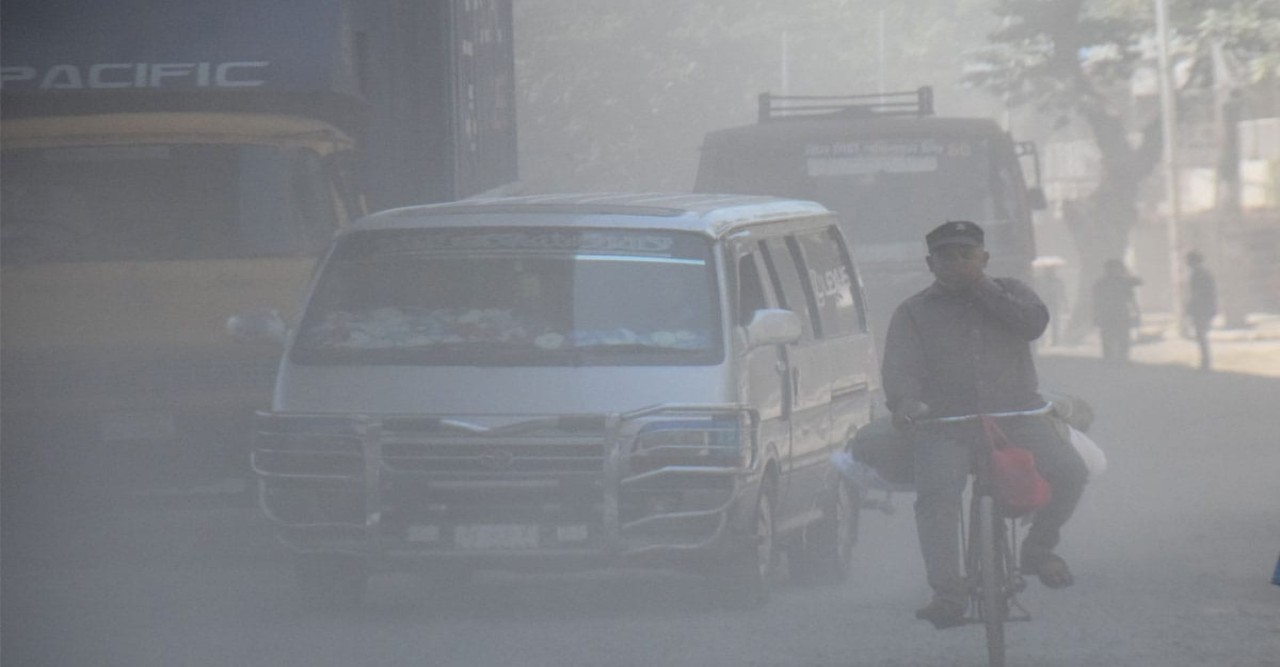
column 918, row 102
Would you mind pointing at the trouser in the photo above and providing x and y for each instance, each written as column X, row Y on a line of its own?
column 1115, row 343
column 942, row 470
column 1201, row 327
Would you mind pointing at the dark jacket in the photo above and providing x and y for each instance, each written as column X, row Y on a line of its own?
column 965, row 353
column 1114, row 304
column 1202, row 303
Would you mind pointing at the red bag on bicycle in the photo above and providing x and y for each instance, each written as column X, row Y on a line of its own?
column 1014, row 479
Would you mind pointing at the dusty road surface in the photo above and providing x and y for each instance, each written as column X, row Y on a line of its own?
column 1173, row 550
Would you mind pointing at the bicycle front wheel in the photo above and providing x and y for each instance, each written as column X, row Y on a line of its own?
column 994, row 609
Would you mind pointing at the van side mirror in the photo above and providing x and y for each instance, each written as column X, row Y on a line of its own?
column 1035, row 198
column 773, row 326
column 258, row 326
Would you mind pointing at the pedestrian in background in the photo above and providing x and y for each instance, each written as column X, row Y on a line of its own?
column 1053, row 292
column 1202, row 304
column 1115, row 309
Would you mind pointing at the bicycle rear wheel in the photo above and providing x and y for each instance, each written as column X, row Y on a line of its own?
column 993, row 608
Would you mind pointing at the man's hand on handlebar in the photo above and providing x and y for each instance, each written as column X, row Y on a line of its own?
column 908, row 412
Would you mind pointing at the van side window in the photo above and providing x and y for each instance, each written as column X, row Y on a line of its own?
column 859, row 287
column 785, row 276
column 831, row 279
column 750, row 289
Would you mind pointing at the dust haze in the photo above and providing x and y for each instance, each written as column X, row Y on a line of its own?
column 114, row 554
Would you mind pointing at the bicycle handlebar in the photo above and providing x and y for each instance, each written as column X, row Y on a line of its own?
column 1042, row 410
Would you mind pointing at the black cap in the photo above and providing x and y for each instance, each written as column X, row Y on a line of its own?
column 955, row 232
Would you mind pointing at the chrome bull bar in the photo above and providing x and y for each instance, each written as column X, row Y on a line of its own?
column 364, row 533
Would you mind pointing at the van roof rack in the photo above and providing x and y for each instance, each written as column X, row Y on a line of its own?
column 918, row 102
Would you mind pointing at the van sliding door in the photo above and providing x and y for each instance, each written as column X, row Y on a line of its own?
column 810, row 383
column 765, row 381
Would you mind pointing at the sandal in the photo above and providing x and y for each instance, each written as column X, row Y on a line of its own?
column 1051, row 569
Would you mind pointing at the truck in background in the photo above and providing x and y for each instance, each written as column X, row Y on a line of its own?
column 893, row 171
column 168, row 165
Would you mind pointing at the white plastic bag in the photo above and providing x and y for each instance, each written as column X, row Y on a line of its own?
column 864, row 475
column 1094, row 458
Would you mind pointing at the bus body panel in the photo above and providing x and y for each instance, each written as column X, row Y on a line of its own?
column 169, row 166
column 891, row 180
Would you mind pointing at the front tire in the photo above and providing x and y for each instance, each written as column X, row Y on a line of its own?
column 748, row 579
column 825, row 553
column 991, row 578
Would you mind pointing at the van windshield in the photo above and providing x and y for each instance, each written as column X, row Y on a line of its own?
column 514, row 297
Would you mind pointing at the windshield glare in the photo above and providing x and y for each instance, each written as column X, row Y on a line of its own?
column 507, row 297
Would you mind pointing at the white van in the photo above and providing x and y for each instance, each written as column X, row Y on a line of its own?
column 572, row 380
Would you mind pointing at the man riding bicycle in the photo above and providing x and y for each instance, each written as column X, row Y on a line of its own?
column 960, row 347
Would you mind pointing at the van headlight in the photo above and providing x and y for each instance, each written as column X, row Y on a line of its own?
column 718, row 440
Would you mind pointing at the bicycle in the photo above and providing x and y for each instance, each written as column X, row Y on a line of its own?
column 990, row 547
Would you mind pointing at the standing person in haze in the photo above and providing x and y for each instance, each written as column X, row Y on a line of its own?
column 963, row 347
column 1202, row 303
column 1054, row 294
column 1115, row 309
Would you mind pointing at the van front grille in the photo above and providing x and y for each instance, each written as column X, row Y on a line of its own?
column 484, row 457
column 431, row 448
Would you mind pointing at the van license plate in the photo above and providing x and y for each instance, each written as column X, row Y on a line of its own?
column 496, row 537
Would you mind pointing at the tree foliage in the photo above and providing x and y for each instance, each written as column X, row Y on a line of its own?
column 617, row 96
column 1074, row 59
column 1246, row 32
column 1066, row 55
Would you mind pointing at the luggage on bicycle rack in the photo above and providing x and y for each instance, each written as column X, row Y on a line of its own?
column 879, row 458
column 1073, row 410
column 1074, row 416
column 1094, row 458
column 885, row 449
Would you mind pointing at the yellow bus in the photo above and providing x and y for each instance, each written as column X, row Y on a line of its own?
column 169, row 165
column 127, row 241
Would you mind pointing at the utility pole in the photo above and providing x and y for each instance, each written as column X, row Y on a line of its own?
column 880, row 48
column 786, row 65
column 1230, row 263
column 1169, row 123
